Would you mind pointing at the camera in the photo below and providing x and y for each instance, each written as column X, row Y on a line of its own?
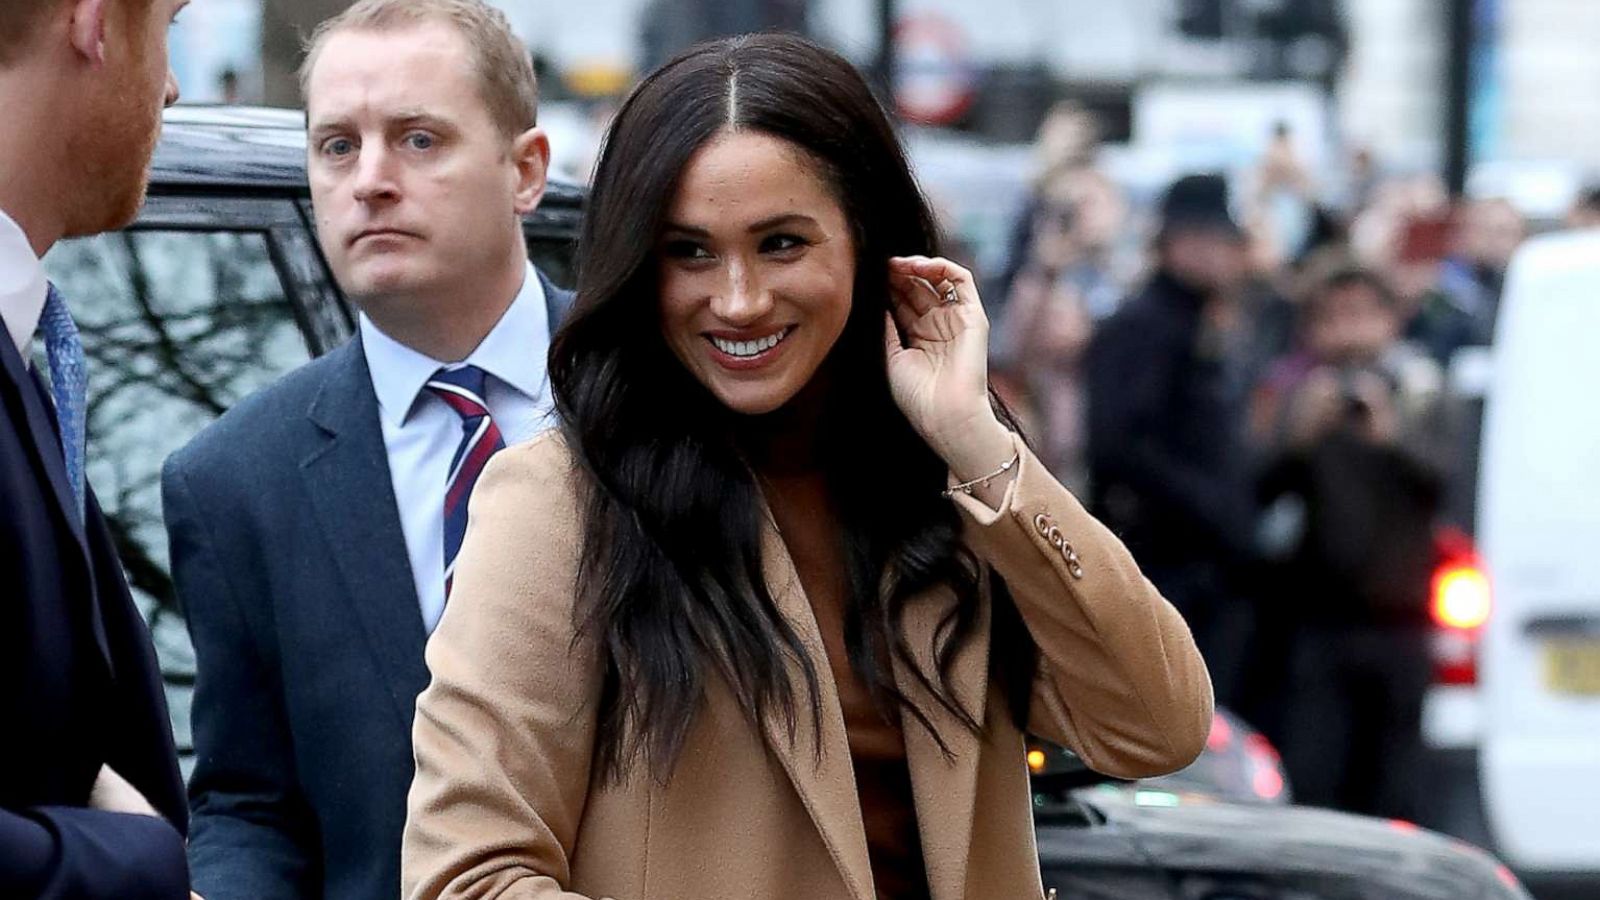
column 1354, row 405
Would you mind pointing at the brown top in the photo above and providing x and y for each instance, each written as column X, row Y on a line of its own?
column 804, row 518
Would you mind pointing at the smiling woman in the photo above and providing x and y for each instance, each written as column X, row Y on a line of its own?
column 756, row 266
column 769, row 615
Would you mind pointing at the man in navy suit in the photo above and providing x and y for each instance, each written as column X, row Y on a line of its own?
column 313, row 527
column 91, row 802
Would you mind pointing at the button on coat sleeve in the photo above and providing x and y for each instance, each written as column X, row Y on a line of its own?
column 1120, row 680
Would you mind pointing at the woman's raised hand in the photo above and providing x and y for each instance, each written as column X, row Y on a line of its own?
column 939, row 371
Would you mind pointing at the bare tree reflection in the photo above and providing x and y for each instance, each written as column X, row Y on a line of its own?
column 177, row 326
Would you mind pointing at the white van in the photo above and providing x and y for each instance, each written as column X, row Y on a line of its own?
column 1539, row 533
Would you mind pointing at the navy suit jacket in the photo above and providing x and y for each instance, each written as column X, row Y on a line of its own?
column 291, row 564
column 79, row 685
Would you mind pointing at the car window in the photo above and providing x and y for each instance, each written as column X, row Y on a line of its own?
column 177, row 326
column 1095, row 861
column 553, row 257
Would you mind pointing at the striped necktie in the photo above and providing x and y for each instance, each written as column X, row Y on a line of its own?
column 69, row 384
column 462, row 390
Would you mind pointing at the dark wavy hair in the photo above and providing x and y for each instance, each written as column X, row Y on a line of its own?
column 670, row 586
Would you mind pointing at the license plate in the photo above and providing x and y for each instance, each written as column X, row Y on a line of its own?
column 1572, row 667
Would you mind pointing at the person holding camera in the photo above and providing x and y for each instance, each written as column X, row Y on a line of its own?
column 1351, row 491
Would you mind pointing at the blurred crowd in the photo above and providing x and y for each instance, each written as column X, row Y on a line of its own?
column 1258, row 385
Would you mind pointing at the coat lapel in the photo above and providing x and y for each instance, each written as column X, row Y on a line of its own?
column 945, row 789
column 557, row 301
column 347, row 477
column 40, row 426
column 826, row 785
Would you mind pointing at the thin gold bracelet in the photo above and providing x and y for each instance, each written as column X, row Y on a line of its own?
column 966, row 487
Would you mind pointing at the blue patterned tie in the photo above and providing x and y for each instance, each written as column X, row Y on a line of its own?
column 69, row 383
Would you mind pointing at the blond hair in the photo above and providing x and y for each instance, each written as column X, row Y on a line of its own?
column 502, row 61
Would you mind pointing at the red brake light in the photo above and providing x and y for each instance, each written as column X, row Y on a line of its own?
column 1266, row 779
column 1455, row 656
column 1258, row 746
column 1459, row 603
column 1460, row 596
column 1221, row 735
column 1267, row 783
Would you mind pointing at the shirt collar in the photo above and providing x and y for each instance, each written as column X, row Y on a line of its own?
column 512, row 352
column 22, row 285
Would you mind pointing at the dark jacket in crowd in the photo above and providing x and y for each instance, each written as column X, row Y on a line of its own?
column 1461, row 312
column 1367, row 555
column 1169, row 467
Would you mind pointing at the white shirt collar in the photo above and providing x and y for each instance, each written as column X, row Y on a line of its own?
column 22, row 285
column 512, row 352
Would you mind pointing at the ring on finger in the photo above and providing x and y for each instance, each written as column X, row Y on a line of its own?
column 950, row 295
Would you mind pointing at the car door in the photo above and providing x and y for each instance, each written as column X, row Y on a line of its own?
column 203, row 300
column 1083, row 856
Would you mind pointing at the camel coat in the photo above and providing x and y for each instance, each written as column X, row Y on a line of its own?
column 505, row 803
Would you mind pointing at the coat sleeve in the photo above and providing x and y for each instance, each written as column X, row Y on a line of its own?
column 72, row 853
column 504, row 733
column 1120, row 681
column 251, row 833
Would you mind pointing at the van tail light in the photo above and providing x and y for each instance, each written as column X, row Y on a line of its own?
column 1460, row 596
column 1459, row 605
column 1455, row 657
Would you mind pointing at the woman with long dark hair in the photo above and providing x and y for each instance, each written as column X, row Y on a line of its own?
column 768, row 616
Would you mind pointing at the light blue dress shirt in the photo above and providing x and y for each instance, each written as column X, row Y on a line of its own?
column 421, row 433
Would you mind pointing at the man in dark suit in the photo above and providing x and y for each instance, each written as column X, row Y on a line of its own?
column 91, row 802
column 314, row 526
